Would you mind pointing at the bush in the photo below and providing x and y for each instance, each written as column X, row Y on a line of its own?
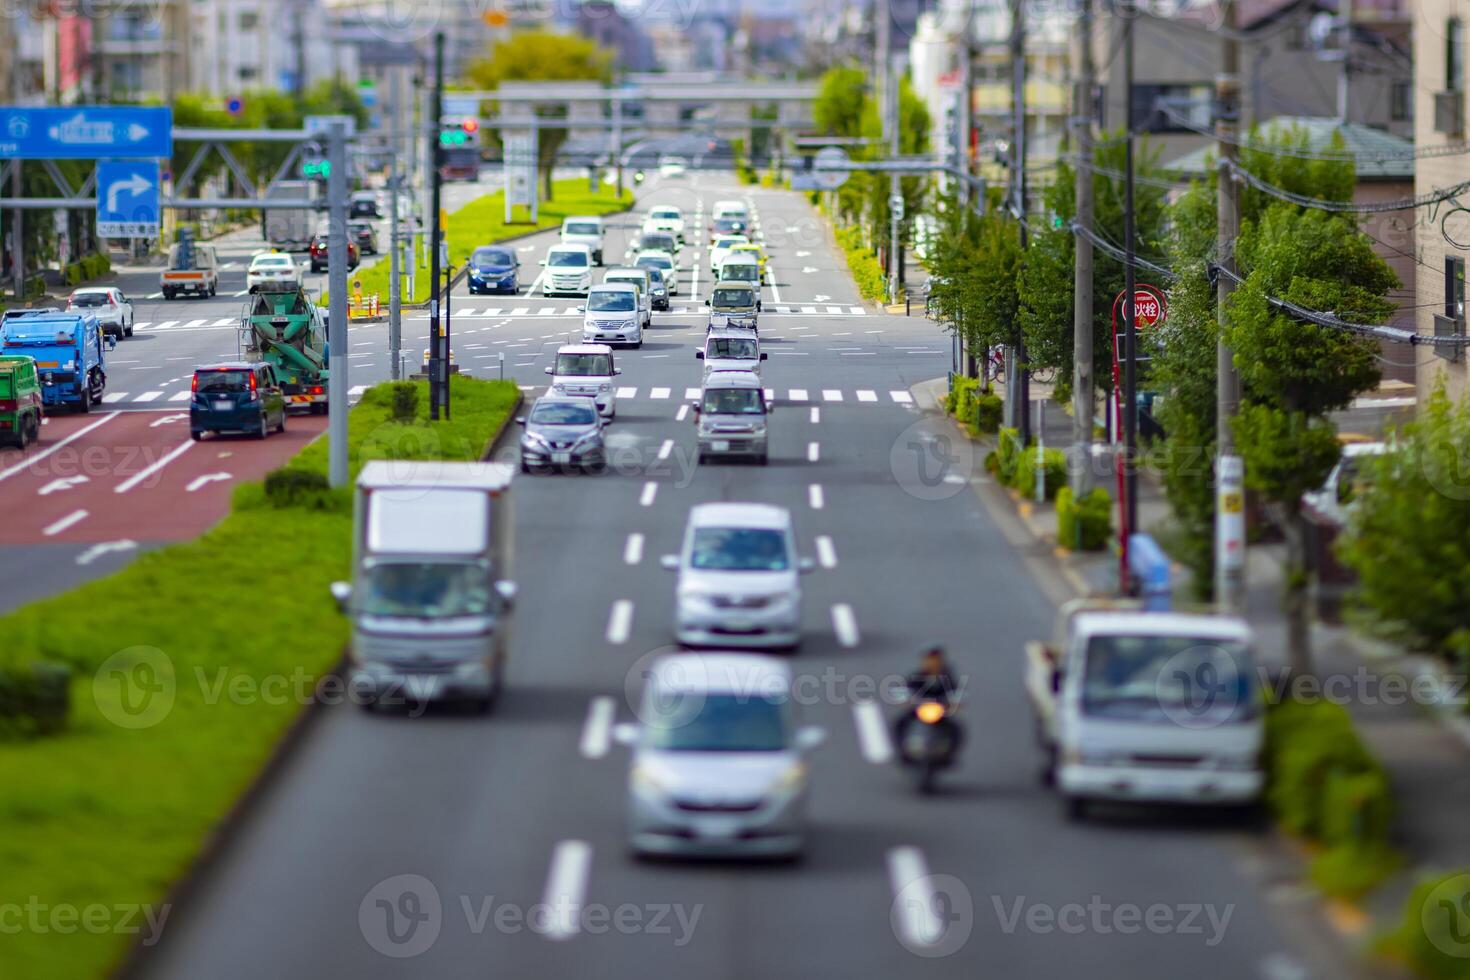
column 1054, row 472
column 1007, row 454
column 1084, row 526
column 988, row 411
column 35, row 698
column 1431, row 939
column 292, row 486
column 961, row 394
column 862, row 263
column 1350, row 871
column 405, row 400
column 1315, row 763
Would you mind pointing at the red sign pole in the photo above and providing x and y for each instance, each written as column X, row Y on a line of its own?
column 1149, row 310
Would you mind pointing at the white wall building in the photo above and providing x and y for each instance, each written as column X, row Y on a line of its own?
column 237, row 45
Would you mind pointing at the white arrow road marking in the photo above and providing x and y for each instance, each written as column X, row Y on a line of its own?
column 566, row 886
column 821, row 298
column 64, row 483
column 803, row 254
column 598, row 727
column 807, row 270
column 167, row 420
column 208, row 478
column 64, row 523
column 148, row 471
column 105, row 548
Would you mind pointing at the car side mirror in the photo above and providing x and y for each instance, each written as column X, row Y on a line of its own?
column 669, row 562
column 625, row 733
column 543, row 261
column 810, row 737
column 699, row 355
column 706, row 302
column 342, row 594
column 805, row 565
column 520, row 420
column 547, row 370
column 507, row 591
column 765, row 356
column 617, row 371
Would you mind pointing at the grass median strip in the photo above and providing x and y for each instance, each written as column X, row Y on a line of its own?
column 188, row 666
column 482, row 222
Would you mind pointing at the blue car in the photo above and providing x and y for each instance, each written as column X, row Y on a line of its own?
column 236, row 397
column 494, row 270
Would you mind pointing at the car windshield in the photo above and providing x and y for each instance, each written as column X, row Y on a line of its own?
column 563, row 414
column 613, row 301
column 222, row 380
column 634, row 281
column 666, row 213
column 426, row 591
column 491, row 256
column 729, row 224
column 711, row 722
column 574, row 365
column 657, row 261
column 734, row 298
column 738, row 347
column 272, row 261
column 728, row 242
column 568, row 260
column 741, row 271
column 1158, row 679
column 664, row 243
column 91, row 299
column 581, row 228
column 655, row 276
column 739, row 549
column 733, row 401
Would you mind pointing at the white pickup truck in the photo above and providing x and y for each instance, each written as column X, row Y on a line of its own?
column 1148, row 707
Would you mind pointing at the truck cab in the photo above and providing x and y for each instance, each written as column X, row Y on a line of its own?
column 20, row 401
column 734, row 304
column 1147, row 707
column 431, row 595
column 192, row 268
column 69, row 350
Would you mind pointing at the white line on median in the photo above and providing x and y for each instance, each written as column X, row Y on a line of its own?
column 815, row 497
column 148, row 471
column 64, row 523
column 909, row 878
column 566, row 886
column 872, row 732
column 650, row 490
column 633, row 550
column 844, row 624
column 665, row 449
column 597, row 729
column 29, row 461
column 816, row 415
column 620, row 621
column 826, row 553
column 813, row 452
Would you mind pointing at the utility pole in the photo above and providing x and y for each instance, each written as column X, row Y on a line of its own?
column 1130, row 327
column 395, row 248
column 337, row 469
column 1018, row 386
column 617, row 141
column 895, row 192
column 1082, row 396
column 966, row 121
column 1345, row 66
column 436, row 352
column 1229, row 467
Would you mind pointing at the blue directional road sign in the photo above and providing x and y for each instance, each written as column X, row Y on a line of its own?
column 127, row 198
column 85, row 132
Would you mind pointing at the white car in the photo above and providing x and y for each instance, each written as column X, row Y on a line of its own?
column 672, row 167
column 613, row 315
column 586, row 371
column 665, row 218
column 272, row 267
column 738, row 577
column 664, row 262
column 720, row 250
column 718, row 765
column 730, row 209
column 731, row 350
column 1338, row 495
column 113, row 310
column 584, row 230
column 640, row 280
column 568, row 270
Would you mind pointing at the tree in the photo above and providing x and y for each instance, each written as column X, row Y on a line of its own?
column 976, row 264
column 543, row 56
column 838, row 108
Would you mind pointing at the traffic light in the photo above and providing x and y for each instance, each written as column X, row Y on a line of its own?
column 315, row 165
column 459, row 132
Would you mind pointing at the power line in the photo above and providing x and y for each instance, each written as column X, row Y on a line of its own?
column 1342, row 156
column 1403, row 204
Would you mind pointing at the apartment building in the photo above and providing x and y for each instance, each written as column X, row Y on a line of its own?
column 238, row 45
column 140, row 51
column 1440, row 81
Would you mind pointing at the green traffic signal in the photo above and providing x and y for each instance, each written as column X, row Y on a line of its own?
column 320, row 169
column 452, row 137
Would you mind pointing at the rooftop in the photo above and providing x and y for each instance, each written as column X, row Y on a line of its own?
column 1379, row 156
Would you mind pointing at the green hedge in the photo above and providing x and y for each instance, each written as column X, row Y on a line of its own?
column 1003, row 460
column 1054, row 472
column 88, row 268
column 988, row 411
column 110, row 812
column 1432, row 938
column 862, row 263
column 35, row 696
column 1086, row 525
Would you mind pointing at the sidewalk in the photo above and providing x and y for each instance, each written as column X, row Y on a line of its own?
column 1424, row 748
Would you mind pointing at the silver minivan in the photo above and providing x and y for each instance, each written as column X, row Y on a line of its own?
column 613, row 315
column 638, row 277
column 730, row 416
column 731, row 350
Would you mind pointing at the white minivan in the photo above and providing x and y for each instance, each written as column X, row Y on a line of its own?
column 586, row 371
column 568, row 270
column 584, row 230
column 731, row 350
column 613, row 315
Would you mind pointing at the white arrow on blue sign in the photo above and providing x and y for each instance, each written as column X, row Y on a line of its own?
column 127, row 198
column 85, row 132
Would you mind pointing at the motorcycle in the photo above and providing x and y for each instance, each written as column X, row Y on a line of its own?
column 927, row 736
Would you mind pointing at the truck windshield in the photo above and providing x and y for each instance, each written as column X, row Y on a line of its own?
column 733, row 299
column 1160, row 679
column 426, row 591
column 581, row 228
column 732, row 347
column 733, row 401
column 593, row 365
column 620, row 301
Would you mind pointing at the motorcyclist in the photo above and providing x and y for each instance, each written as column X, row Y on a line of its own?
column 933, row 680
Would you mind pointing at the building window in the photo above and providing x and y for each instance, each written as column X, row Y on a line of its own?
column 1454, row 54
column 1401, row 101
column 1172, row 108
column 1454, row 287
column 249, row 20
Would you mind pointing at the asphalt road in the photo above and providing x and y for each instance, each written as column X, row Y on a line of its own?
column 491, row 816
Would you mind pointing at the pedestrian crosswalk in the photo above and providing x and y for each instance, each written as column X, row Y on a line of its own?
column 200, row 323
column 862, row 396
column 773, row 309
column 147, row 399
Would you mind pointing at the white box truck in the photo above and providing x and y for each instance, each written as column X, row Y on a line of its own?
column 290, row 228
column 432, row 594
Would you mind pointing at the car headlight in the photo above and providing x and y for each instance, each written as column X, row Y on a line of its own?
column 587, row 440
column 605, row 386
column 627, row 324
column 647, row 779
column 790, row 780
column 533, row 440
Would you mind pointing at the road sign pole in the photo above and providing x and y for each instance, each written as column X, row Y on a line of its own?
column 337, row 469
column 395, row 271
column 435, row 113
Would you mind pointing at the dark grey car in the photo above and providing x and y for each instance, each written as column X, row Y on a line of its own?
column 562, row 432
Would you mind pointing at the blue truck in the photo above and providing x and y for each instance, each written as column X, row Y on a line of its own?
column 70, row 354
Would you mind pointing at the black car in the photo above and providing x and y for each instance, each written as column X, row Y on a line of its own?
column 363, row 233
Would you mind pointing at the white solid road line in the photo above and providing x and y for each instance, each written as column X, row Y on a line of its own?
column 844, row 624
column 64, row 523
column 620, row 621
column 566, row 887
column 650, row 490
column 30, row 461
column 148, row 471
column 872, row 732
column 597, row 729
column 815, row 497
column 816, row 415
column 826, row 553
column 913, row 887
column 813, row 452
column 665, row 449
column 633, row 550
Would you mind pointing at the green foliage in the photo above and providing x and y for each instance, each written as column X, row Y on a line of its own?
column 841, row 96
column 1286, row 454
column 975, row 267
column 1008, row 456
column 862, row 263
column 1316, row 762
column 1054, row 472
column 1430, row 939
column 1350, row 871
column 307, row 489
column 988, row 411
column 35, row 697
column 1409, row 536
column 404, row 397
column 961, row 395
column 1086, row 525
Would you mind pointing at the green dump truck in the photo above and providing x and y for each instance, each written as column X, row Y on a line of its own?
column 20, row 401
column 285, row 328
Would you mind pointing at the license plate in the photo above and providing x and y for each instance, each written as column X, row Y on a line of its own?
column 48, row 364
column 222, row 406
column 720, row 446
column 561, row 457
column 718, row 827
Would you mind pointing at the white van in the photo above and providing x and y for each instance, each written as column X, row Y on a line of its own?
column 730, row 209
column 739, row 267
column 612, row 315
column 568, row 270
column 584, row 230
column 586, row 371
column 731, row 350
